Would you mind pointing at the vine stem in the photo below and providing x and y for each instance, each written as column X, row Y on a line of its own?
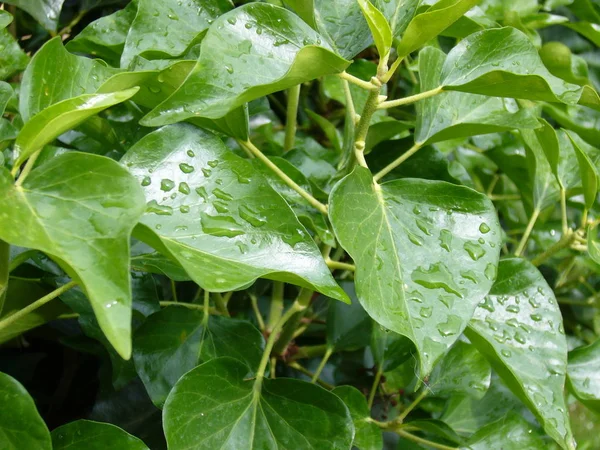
column 357, row 81
column 287, row 180
column 365, row 120
column 419, row 440
column 528, row 230
column 37, row 304
column 276, row 304
column 565, row 241
column 333, row 265
column 257, row 314
column 28, row 166
column 221, row 304
column 206, row 308
column 287, row 334
column 308, row 373
column 375, row 386
column 411, row 407
column 391, row 166
column 195, row 306
column 293, row 99
column 310, row 351
column 563, row 210
column 324, row 360
column 410, row 99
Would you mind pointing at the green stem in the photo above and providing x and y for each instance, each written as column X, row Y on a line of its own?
column 412, row 406
column 391, row 166
column 291, row 117
column 257, row 314
column 287, row 180
column 20, row 259
column 4, row 271
column 564, row 242
column 410, row 99
column 365, row 121
column 28, row 166
column 35, row 305
column 308, row 373
column 504, row 197
column 164, row 304
column 324, row 360
column 334, row 265
column 563, row 210
column 419, row 440
column 220, row 304
column 287, row 334
column 276, row 304
column 357, row 81
column 206, row 308
column 525, row 238
column 174, row 291
column 375, row 385
column 309, row 351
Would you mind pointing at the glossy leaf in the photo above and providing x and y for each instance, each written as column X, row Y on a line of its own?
column 5, row 19
column 245, row 231
column 583, row 374
column 380, row 29
column 12, row 58
column 390, row 349
column 20, row 424
column 216, row 405
column 427, row 25
column 367, row 435
column 502, row 62
column 462, row 370
column 175, row 340
column 348, row 326
column 587, row 169
column 237, row 43
column 165, row 29
column 518, row 327
column 91, row 241
column 514, row 432
column 46, row 12
column 47, row 125
column 425, row 297
column 453, row 115
column 398, row 13
column 89, row 435
column 559, row 60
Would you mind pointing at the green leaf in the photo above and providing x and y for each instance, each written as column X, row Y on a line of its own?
column 105, row 37
column 5, row 19
column 427, row 25
column 45, row 80
column 452, row 236
column 226, row 77
column 215, row 405
column 304, row 8
column 390, row 349
column 593, row 243
column 587, row 169
column 175, row 340
column 80, row 209
column 89, row 435
column 145, row 259
column 20, row 423
column 368, row 435
column 165, row 29
column 12, row 58
column 578, row 119
column 583, row 375
column 559, row 60
column 47, row 125
column 453, row 115
column 502, row 62
column 348, row 326
column 518, row 327
column 436, row 428
column 462, row 370
column 588, row 30
column 512, row 432
column 398, row 13
column 246, row 230
column 46, row 12
column 380, row 29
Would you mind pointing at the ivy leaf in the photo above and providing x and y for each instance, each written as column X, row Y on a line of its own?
column 427, row 25
column 453, row 115
column 559, row 60
column 428, row 297
column 175, row 340
column 462, row 370
column 513, row 431
column 165, row 29
column 304, row 8
column 583, row 375
column 246, row 230
column 368, row 435
column 518, row 327
column 348, row 326
column 503, row 62
column 89, row 435
column 380, row 29
column 226, row 77
column 21, row 424
column 216, row 405
column 46, row 12
column 80, row 209
column 47, row 125
column 390, row 349
column 398, row 13
column 12, row 58
column 587, row 169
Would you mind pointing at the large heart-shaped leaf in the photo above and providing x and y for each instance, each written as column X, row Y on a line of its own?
column 518, row 327
column 217, row 216
column 288, row 51
column 165, row 29
column 175, row 340
column 215, row 405
column 80, row 209
column 368, row 435
column 20, row 424
column 584, row 374
column 453, row 115
column 425, row 253
column 89, row 435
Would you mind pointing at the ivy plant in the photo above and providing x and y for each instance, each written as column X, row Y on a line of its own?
column 299, row 224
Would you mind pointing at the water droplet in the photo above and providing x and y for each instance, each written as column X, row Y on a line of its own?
column 184, row 188
column 172, row 17
column 520, row 339
column 414, row 239
column 186, row 168
column 474, row 250
column 417, row 210
column 166, row 185
column 487, row 304
column 206, row 172
column 154, row 89
column 213, row 163
column 445, row 239
column 191, row 153
column 222, row 195
column 250, row 216
column 184, row 209
column 484, row 228
column 259, row 31
column 158, row 226
column 513, row 309
column 469, row 275
column 232, row 20
column 490, row 271
column 436, row 277
column 229, row 69
column 450, row 327
column 536, row 317
column 506, row 353
column 248, row 25
column 220, row 225
column 181, row 228
column 279, row 42
column 221, row 207
column 153, row 207
column 423, row 226
column 201, row 191
column 425, row 312
column 146, row 181
column 533, row 302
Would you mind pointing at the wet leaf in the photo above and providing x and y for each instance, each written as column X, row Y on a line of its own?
column 368, row 435
column 89, row 435
column 583, row 375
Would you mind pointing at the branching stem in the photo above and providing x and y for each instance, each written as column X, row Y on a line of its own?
column 391, row 166
column 291, row 117
column 410, row 99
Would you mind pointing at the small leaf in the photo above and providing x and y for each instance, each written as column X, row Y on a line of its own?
column 46, row 12
column 512, row 432
column 368, row 435
column 583, row 375
column 215, row 405
column 348, row 326
column 593, row 243
column 12, row 58
column 80, row 209
column 427, row 25
column 380, row 29
column 20, row 424
column 175, row 340
column 248, row 37
column 5, row 19
column 428, row 297
column 398, row 13
column 502, row 62
column 588, row 171
column 518, row 327
column 390, row 349
column 215, row 214
column 88, row 435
